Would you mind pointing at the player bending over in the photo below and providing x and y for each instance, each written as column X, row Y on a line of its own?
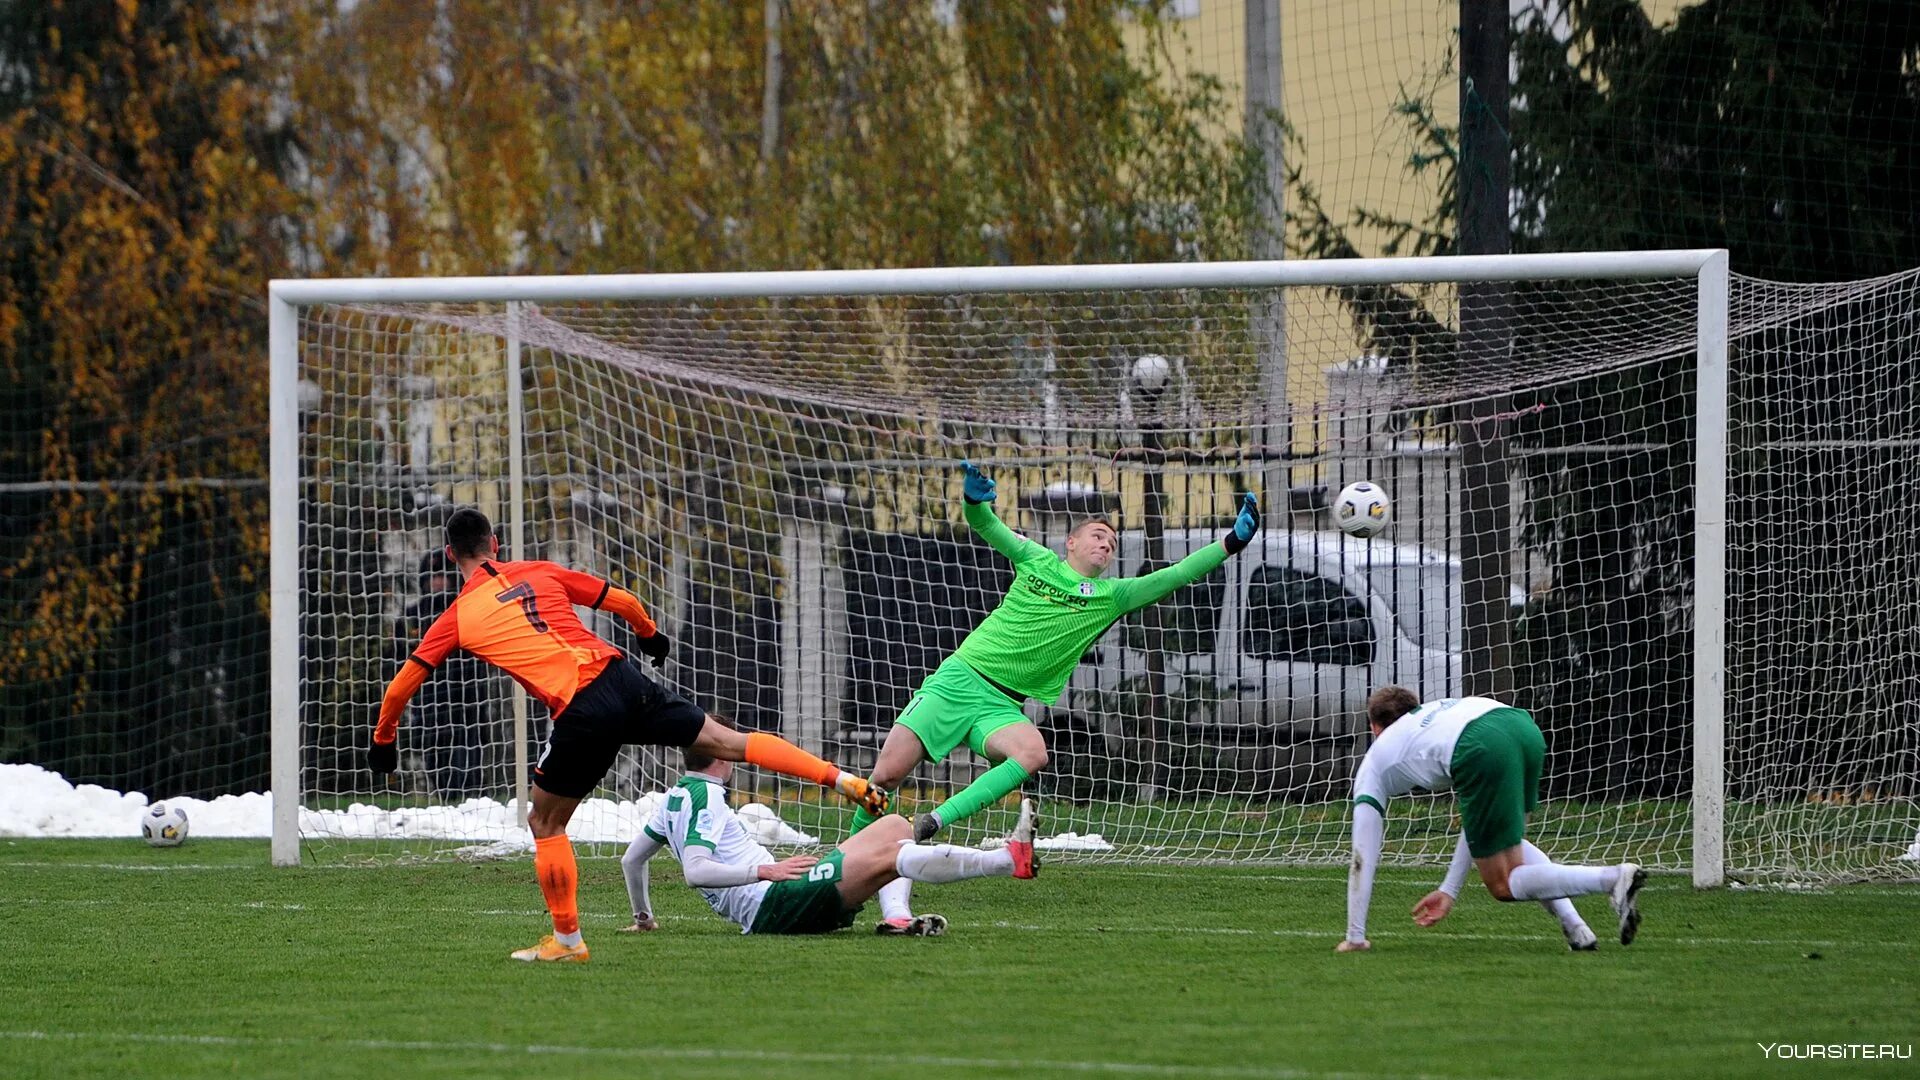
column 801, row 894
column 518, row 616
column 1490, row 755
column 1026, row 648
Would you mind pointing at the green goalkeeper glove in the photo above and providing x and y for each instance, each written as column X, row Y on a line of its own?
column 1245, row 527
column 979, row 486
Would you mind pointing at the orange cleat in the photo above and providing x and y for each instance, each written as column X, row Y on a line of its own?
column 872, row 796
column 550, row 951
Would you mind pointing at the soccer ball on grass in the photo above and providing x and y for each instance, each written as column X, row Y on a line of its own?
column 164, row 826
column 1362, row 509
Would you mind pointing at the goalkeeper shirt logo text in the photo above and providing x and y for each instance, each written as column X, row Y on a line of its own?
column 1052, row 593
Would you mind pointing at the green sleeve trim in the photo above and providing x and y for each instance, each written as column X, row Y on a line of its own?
column 696, row 802
column 1132, row 594
column 995, row 532
column 648, row 829
column 1370, row 801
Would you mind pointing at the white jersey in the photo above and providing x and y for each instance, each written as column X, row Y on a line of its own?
column 1416, row 751
column 695, row 813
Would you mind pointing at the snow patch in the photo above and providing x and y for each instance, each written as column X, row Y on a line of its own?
column 39, row 802
column 1065, row 841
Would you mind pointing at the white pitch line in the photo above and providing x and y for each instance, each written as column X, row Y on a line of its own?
column 1033, row 928
column 1327, row 878
column 138, row 867
column 1023, row 1065
column 1910, row 891
column 1334, row 935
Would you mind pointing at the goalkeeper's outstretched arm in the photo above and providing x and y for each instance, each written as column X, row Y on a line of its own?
column 1132, row 594
column 978, row 489
column 1135, row 593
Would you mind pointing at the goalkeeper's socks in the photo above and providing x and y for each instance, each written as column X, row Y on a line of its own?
column 939, row 863
column 994, row 784
column 559, row 882
column 776, row 753
column 1550, row 881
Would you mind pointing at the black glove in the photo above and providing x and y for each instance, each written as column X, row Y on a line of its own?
column 384, row 758
column 657, row 647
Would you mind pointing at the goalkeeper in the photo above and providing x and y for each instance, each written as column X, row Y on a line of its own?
column 1026, row 648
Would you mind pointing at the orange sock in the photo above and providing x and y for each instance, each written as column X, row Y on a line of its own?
column 559, row 880
column 776, row 753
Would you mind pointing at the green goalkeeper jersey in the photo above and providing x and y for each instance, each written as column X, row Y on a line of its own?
column 1031, row 643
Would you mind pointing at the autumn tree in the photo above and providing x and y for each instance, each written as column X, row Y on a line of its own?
column 499, row 136
column 161, row 160
column 141, row 210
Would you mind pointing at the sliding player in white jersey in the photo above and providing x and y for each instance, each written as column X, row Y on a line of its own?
column 1490, row 754
column 801, row 894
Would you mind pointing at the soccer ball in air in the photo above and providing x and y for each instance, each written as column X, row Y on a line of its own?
column 1362, row 509
column 164, row 826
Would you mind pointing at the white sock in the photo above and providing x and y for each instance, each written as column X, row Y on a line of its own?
column 950, row 862
column 1549, row 881
column 569, row 940
column 1561, row 908
column 894, row 897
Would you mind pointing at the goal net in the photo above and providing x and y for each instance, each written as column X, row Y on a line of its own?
column 769, row 461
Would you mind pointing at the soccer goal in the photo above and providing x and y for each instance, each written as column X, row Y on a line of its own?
column 769, row 461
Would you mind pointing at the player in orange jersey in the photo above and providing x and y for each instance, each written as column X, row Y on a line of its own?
column 519, row 617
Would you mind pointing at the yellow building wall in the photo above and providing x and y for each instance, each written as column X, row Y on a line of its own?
column 1346, row 67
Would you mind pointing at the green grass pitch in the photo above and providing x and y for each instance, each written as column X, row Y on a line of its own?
column 120, row 960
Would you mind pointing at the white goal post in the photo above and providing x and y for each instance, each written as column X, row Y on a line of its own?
column 765, row 459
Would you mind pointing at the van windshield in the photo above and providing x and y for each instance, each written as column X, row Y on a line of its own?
column 1188, row 619
column 1425, row 601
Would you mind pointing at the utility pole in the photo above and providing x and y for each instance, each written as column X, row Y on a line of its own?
column 1486, row 174
column 1262, row 131
column 1150, row 381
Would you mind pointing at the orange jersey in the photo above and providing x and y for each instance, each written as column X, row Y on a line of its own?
column 519, row 617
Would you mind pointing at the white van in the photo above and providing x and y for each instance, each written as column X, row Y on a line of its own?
column 1287, row 639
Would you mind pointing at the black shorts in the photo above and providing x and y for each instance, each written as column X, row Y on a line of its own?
column 619, row 707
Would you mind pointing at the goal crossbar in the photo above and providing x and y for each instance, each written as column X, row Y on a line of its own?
column 1433, row 269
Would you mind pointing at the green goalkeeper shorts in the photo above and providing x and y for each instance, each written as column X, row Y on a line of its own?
column 808, row 905
column 1496, row 775
column 954, row 705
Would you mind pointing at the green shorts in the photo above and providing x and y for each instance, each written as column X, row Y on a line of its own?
column 1496, row 775
column 808, row 905
column 954, row 705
